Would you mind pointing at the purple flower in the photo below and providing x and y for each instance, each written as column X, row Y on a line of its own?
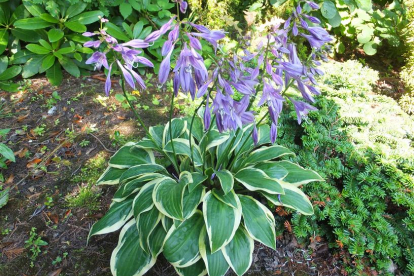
column 313, row 5
column 89, row 34
column 255, row 135
column 183, row 5
column 211, row 36
column 231, row 114
column 273, row 133
column 108, row 82
column 165, row 68
column 302, row 109
column 136, row 43
column 93, row 43
column 273, row 99
column 318, row 37
column 207, row 116
column 98, row 59
column 130, row 76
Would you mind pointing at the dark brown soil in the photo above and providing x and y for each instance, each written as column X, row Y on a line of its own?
column 47, row 163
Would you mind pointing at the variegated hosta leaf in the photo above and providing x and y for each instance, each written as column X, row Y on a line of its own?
column 198, row 128
column 198, row 179
column 213, row 138
column 181, row 244
column 239, row 252
column 297, row 175
column 138, row 170
column 145, row 224
column 128, row 258
column 167, row 223
column 168, row 197
column 133, row 186
column 221, row 221
column 143, row 200
column 156, row 240
column 129, row 156
column 110, row 176
column 226, row 180
column 118, row 214
column 233, row 141
column 272, row 170
column 267, row 153
column 197, row 269
column 157, row 133
column 192, row 200
column 246, row 143
column 293, row 198
column 230, row 198
column 182, row 146
column 256, row 180
column 178, row 127
column 215, row 263
column 146, row 143
column 259, row 221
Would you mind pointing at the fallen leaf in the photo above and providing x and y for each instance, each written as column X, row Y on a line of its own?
column 67, row 213
column 33, row 163
column 120, row 117
column 22, row 117
column 55, row 273
column 9, row 180
column 53, row 217
column 13, row 252
column 21, row 153
column 88, row 112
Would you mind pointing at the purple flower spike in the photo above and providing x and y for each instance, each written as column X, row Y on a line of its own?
column 207, row 117
column 136, row 43
column 98, row 59
column 144, row 61
column 127, row 75
column 255, row 135
column 194, row 42
column 108, row 82
column 313, row 5
column 165, row 68
column 183, row 6
column 273, row 133
column 89, row 34
column 94, row 44
column 302, row 109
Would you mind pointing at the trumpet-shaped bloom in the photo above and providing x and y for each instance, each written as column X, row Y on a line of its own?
column 302, row 109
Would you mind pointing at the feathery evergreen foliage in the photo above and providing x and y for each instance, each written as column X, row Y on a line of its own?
column 362, row 144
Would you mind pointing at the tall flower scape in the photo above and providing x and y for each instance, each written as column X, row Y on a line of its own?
column 204, row 207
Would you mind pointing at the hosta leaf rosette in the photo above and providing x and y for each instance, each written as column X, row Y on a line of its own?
column 203, row 221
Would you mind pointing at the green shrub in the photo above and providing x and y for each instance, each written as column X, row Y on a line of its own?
column 362, row 144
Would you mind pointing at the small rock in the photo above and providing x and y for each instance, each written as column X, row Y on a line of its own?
column 52, row 111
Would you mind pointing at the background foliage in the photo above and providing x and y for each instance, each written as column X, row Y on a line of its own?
column 362, row 144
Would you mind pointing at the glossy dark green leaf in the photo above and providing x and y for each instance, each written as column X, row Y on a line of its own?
column 116, row 32
column 75, row 27
column 87, row 17
column 34, row 23
column 10, row 73
column 55, row 35
column 4, row 40
column 54, row 74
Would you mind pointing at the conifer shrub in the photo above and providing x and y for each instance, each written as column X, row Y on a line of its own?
column 362, row 144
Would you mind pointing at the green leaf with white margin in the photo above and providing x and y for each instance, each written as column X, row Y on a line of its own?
column 167, row 223
column 181, row 244
column 229, row 198
column 133, row 186
column 198, row 179
column 256, row 180
column 129, row 156
column 146, row 223
column 239, row 252
column 267, row 153
column 128, row 258
column 198, row 128
column 221, row 221
column 215, row 263
column 118, row 214
column 192, row 200
column 197, row 269
column 146, row 143
column 143, row 200
column 110, row 176
column 293, row 198
column 7, row 152
column 157, row 133
column 226, row 180
column 182, row 146
column 272, row 170
column 178, row 127
column 168, row 197
column 297, row 175
column 213, row 138
column 259, row 221
column 138, row 170
column 156, row 240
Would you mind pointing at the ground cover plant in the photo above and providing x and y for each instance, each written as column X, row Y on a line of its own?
column 362, row 144
column 217, row 167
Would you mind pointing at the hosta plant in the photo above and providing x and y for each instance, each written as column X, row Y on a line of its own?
column 196, row 188
column 206, row 219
